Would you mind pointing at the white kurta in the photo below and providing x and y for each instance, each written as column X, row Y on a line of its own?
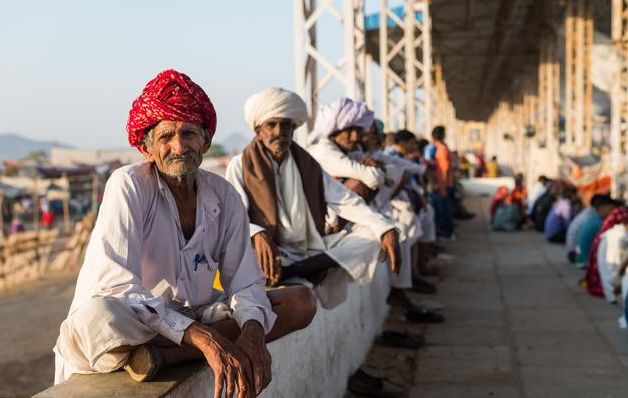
column 398, row 209
column 138, row 256
column 356, row 251
column 610, row 255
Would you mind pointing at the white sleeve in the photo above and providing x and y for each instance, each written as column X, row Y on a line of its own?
column 350, row 206
column 234, row 176
column 337, row 164
column 407, row 165
column 239, row 272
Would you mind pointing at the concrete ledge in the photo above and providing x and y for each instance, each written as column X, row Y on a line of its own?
column 314, row 362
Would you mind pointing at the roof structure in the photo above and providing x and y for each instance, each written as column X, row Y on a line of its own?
column 483, row 45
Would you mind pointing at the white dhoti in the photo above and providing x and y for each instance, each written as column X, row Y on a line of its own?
column 410, row 232
column 428, row 224
column 99, row 336
column 356, row 251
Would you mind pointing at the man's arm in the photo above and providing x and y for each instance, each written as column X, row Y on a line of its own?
column 233, row 174
column 245, row 363
column 244, row 284
column 337, row 164
column 265, row 249
column 239, row 273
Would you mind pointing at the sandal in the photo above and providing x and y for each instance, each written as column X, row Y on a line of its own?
column 423, row 315
column 144, row 363
column 392, row 338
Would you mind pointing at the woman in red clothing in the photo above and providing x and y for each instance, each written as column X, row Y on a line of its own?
column 592, row 279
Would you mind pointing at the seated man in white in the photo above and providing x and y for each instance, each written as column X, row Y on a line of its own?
column 144, row 297
column 289, row 198
column 335, row 144
column 405, row 201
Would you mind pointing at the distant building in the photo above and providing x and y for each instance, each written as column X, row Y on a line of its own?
column 67, row 157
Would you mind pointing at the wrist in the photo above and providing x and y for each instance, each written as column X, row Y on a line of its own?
column 253, row 328
column 197, row 334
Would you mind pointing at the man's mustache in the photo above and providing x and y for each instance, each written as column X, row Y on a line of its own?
column 173, row 157
column 284, row 140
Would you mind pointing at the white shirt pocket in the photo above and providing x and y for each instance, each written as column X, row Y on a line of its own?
column 197, row 279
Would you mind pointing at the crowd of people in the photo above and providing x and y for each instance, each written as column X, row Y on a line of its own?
column 595, row 236
column 285, row 232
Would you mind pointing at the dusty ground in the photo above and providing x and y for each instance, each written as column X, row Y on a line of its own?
column 30, row 324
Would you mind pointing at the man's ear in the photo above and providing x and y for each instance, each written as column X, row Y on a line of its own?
column 146, row 152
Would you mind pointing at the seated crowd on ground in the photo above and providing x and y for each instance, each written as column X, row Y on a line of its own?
column 288, row 228
column 595, row 236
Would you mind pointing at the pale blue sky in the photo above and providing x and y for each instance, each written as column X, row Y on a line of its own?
column 70, row 69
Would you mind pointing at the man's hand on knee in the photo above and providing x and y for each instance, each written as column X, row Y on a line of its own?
column 230, row 364
column 267, row 256
column 252, row 342
column 390, row 246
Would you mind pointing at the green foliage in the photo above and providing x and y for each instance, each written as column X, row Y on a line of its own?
column 39, row 156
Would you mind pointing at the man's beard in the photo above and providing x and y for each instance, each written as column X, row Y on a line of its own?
column 191, row 161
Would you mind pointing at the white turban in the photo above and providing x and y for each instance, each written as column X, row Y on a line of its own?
column 339, row 115
column 274, row 102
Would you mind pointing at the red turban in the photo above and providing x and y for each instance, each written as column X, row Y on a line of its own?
column 170, row 96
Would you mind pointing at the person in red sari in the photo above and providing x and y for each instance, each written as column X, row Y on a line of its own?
column 501, row 197
column 592, row 280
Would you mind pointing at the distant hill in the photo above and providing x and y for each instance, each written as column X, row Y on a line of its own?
column 14, row 146
column 234, row 142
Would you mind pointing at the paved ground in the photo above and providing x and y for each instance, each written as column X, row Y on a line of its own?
column 518, row 326
column 30, row 319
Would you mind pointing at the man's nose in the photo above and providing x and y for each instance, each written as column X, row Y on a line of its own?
column 178, row 144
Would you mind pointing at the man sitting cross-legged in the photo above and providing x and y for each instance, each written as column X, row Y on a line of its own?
column 289, row 196
column 144, row 297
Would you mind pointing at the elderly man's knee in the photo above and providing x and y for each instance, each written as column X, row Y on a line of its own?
column 97, row 316
column 305, row 304
column 93, row 311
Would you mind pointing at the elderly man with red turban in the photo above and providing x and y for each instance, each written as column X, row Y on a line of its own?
column 144, row 297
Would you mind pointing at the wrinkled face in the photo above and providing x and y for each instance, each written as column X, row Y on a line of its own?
column 276, row 136
column 176, row 148
column 347, row 139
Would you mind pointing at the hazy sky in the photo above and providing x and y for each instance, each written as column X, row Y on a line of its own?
column 70, row 69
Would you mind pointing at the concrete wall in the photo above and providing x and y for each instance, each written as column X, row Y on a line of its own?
column 314, row 362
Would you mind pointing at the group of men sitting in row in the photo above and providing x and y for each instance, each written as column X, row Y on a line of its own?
column 309, row 220
column 595, row 236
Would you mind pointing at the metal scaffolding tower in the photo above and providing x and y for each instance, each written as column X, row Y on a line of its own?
column 406, row 96
column 349, row 70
